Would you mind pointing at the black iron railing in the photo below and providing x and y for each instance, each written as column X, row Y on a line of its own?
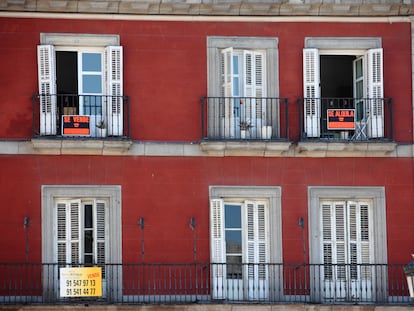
column 136, row 283
column 244, row 118
column 346, row 119
column 77, row 115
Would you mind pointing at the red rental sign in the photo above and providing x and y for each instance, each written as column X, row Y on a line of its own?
column 76, row 125
column 341, row 119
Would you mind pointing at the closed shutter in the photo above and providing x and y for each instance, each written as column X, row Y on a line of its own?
column 375, row 93
column 47, row 89
column 68, row 232
column 257, row 255
column 311, row 92
column 114, row 78
column 62, row 234
column 218, row 267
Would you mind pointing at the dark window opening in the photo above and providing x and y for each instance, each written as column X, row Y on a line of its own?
column 337, row 83
column 67, row 84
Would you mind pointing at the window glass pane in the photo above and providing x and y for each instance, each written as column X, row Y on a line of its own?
column 88, row 241
column 92, row 83
column 92, row 105
column 236, row 64
column 358, row 68
column 88, row 216
column 233, row 242
column 232, row 216
column 234, row 267
column 91, row 62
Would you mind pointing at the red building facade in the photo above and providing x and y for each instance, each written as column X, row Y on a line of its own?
column 174, row 181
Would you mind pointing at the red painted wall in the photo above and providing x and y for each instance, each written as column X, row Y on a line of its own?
column 168, row 191
column 166, row 69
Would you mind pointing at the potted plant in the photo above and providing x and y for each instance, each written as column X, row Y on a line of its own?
column 101, row 129
column 244, row 127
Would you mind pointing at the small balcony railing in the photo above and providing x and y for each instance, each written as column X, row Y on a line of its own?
column 77, row 115
column 346, row 119
column 155, row 283
column 244, row 118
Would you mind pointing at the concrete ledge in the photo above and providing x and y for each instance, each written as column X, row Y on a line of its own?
column 348, row 149
column 78, row 146
column 245, row 148
column 205, row 149
column 217, row 8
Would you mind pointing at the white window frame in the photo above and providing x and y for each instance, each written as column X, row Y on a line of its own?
column 271, row 195
column 50, row 194
column 316, row 46
column 215, row 46
column 112, row 80
column 376, row 195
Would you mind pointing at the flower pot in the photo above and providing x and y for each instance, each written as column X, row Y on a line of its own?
column 243, row 134
column 101, row 132
column 266, row 132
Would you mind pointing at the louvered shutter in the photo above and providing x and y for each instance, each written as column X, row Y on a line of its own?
column 311, row 92
column 68, row 232
column 256, row 255
column 47, row 89
column 375, row 93
column 114, row 79
column 254, row 87
column 75, row 227
column 359, row 239
column 218, row 252
column 226, row 115
column 334, row 239
column 101, row 233
column 61, row 234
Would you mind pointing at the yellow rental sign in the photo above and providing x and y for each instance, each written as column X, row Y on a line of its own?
column 81, row 282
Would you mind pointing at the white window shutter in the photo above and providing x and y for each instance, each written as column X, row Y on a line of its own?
column 68, row 232
column 75, row 234
column 260, row 86
column 256, row 252
column 311, row 92
column 375, row 93
column 227, row 117
column 114, row 89
column 61, row 234
column 218, row 251
column 47, row 89
column 101, row 227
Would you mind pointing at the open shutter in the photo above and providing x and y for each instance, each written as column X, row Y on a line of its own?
column 254, row 87
column 218, row 266
column 47, row 89
column 375, row 93
column 226, row 116
column 114, row 79
column 101, row 227
column 311, row 92
column 257, row 250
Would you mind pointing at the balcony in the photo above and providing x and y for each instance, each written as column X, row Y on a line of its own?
column 74, row 116
column 346, row 119
column 244, row 119
column 157, row 283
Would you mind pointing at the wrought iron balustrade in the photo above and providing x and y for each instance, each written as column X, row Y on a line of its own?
column 106, row 115
column 178, row 283
column 346, row 119
column 244, row 118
